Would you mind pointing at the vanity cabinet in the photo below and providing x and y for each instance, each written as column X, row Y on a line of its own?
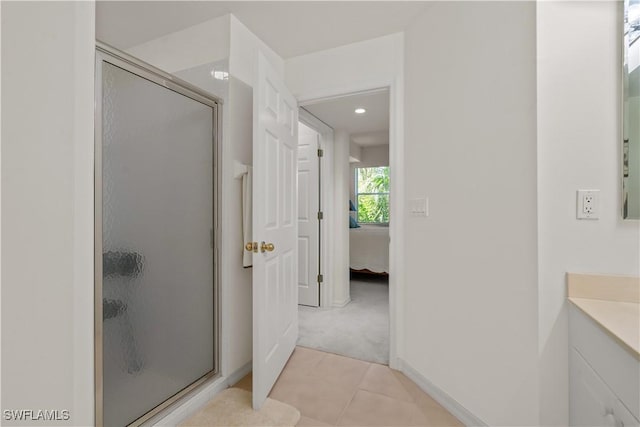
column 604, row 379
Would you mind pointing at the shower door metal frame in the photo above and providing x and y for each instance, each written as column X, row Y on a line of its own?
column 106, row 53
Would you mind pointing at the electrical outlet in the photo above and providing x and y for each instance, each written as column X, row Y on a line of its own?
column 588, row 204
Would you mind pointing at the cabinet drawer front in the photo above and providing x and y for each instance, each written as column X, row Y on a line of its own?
column 591, row 403
column 619, row 369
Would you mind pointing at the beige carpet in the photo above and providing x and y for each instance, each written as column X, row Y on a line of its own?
column 359, row 330
column 232, row 407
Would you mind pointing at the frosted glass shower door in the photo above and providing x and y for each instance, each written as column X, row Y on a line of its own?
column 157, row 251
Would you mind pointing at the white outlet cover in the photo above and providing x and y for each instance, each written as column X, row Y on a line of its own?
column 588, row 204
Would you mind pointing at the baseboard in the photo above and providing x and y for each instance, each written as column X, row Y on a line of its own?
column 341, row 304
column 195, row 401
column 239, row 373
column 448, row 402
column 395, row 363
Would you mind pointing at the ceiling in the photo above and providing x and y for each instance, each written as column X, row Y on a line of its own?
column 291, row 28
column 368, row 129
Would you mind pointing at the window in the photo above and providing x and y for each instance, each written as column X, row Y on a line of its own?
column 372, row 195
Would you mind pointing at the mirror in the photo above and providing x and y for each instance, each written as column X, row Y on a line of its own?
column 631, row 112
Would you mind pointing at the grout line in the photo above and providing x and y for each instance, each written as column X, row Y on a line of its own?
column 348, row 404
column 393, row 375
column 413, row 398
column 388, row 397
column 357, row 388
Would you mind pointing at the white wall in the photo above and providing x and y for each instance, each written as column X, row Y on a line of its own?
column 363, row 65
column 374, row 156
column 193, row 46
column 579, row 146
column 355, row 152
column 471, row 266
column 237, row 306
column 244, row 52
column 47, row 207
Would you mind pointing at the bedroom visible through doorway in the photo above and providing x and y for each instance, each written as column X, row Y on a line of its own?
column 355, row 321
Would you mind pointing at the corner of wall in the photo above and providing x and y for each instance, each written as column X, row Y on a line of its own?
column 188, row 48
column 341, row 294
column 244, row 48
column 448, row 402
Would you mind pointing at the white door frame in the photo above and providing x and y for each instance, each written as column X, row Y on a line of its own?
column 326, row 201
column 396, row 227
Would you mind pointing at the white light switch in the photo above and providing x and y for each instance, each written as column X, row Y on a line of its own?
column 419, row 207
column 588, row 204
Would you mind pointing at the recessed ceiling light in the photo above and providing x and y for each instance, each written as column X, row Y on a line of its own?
column 360, row 111
column 219, row 75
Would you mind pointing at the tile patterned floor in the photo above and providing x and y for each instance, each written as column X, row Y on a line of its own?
column 332, row 390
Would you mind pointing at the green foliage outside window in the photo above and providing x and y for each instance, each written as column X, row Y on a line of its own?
column 372, row 194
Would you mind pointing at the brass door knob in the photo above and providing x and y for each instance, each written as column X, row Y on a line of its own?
column 269, row 247
column 251, row 246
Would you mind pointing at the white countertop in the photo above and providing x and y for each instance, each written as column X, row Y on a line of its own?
column 619, row 319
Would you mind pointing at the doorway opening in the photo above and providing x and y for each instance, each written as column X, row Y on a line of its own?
column 344, row 249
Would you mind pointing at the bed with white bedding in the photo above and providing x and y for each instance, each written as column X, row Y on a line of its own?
column 369, row 249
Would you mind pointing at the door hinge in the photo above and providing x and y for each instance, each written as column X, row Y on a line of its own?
column 320, row 152
column 320, row 215
column 320, row 278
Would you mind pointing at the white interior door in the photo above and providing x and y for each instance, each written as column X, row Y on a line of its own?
column 308, row 222
column 275, row 228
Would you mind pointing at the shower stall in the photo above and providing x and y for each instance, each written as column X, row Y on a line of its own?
column 155, row 240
